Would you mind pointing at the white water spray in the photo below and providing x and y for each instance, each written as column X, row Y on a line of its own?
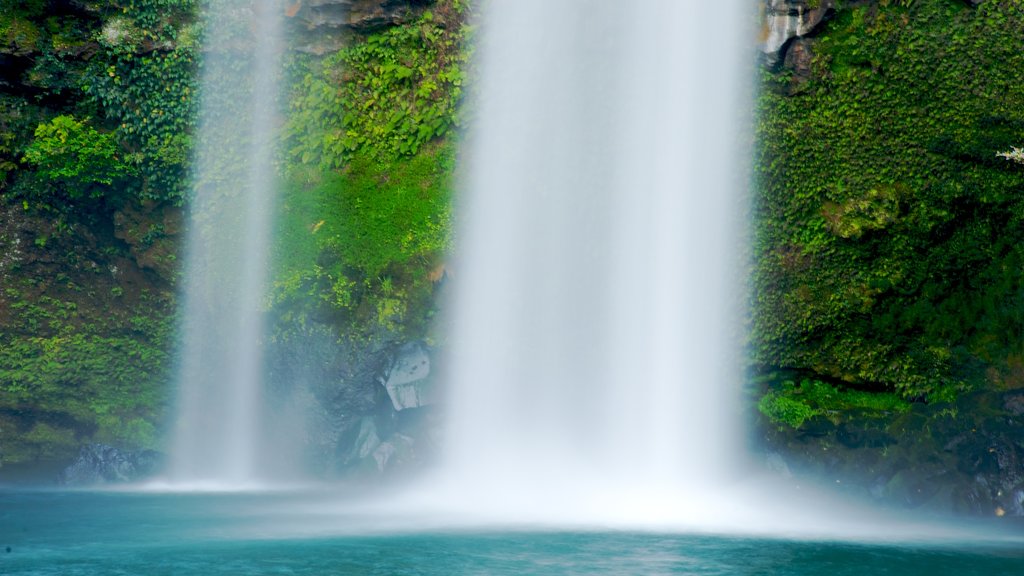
column 220, row 390
column 595, row 352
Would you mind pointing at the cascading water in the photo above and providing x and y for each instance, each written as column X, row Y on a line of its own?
column 218, row 429
column 595, row 346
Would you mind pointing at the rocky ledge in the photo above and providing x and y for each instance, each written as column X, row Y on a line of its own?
column 323, row 24
column 98, row 464
column 961, row 458
column 785, row 20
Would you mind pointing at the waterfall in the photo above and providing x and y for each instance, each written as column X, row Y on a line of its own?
column 217, row 434
column 595, row 350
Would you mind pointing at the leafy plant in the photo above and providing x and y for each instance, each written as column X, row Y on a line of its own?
column 77, row 156
column 793, row 405
column 782, row 409
column 384, row 97
column 360, row 245
column 888, row 229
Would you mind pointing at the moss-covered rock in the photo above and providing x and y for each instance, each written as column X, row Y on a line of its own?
column 888, row 246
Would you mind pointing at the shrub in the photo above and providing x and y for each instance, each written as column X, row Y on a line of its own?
column 77, row 156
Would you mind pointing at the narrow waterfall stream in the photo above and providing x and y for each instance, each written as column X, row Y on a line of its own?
column 219, row 426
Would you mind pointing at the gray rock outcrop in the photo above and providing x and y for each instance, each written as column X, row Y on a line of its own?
column 323, row 24
column 98, row 464
column 408, row 380
column 784, row 20
column 960, row 458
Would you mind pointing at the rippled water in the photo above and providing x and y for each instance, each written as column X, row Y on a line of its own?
column 86, row 533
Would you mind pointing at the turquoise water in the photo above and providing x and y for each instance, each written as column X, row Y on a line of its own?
column 89, row 533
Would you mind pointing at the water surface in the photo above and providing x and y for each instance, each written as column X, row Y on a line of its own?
column 91, row 533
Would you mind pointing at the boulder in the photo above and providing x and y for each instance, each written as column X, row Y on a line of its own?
column 101, row 464
column 408, row 380
column 323, row 24
column 152, row 232
column 798, row 58
column 361, row 15
column 784, row 20
column 395, row 453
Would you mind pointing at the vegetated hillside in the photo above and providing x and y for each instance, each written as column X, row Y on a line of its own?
column 96, row 110
column 98, row 106
column 889, row 271
column 890, row 253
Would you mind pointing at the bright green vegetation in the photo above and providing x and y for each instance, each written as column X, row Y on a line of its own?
column 357, row 249
column 890, row 235
column 384, row 97
column 73, row 155
column 69, row 372
column 366, row 217
column 97, row 103
column 119, row 74
column 793, row 405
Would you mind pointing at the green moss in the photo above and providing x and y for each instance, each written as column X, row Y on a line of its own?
column 785, row 410
column 890, row 234
column 361, row 244
column 793, row 405
column 366, row 217
column 73, row 374
column 384, row 97
column 18, row 35
column 74, row 155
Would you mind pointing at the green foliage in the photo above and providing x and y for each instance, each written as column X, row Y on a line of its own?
column 158, row 17
column 130, row 67
column 366, row 221
column 890, row 234
column 782, row 409
column 18, row 35
column 151, row 95
column 793, row 405
column 76, row 375
column 16, row 127
column 75, row 155
column 382, row 98
column 360, row 246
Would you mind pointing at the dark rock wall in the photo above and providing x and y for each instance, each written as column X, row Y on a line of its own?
column 964, row 458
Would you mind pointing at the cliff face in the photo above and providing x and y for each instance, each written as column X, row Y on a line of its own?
column 888, row 235
column 784, row 21
column 887, row 277
column 98, row 102
column 323, row 26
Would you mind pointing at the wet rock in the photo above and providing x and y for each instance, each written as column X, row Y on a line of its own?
column 366, row 404
column 1014, row 403
column 408, row 381
column 964, row 458
column 777, row 464
column 366, row 442
column 101, row 464
column 798, row 58
column 363, row 15
column 784, row 20
column 325, row 22
column 152, row 233
column 395, row 453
